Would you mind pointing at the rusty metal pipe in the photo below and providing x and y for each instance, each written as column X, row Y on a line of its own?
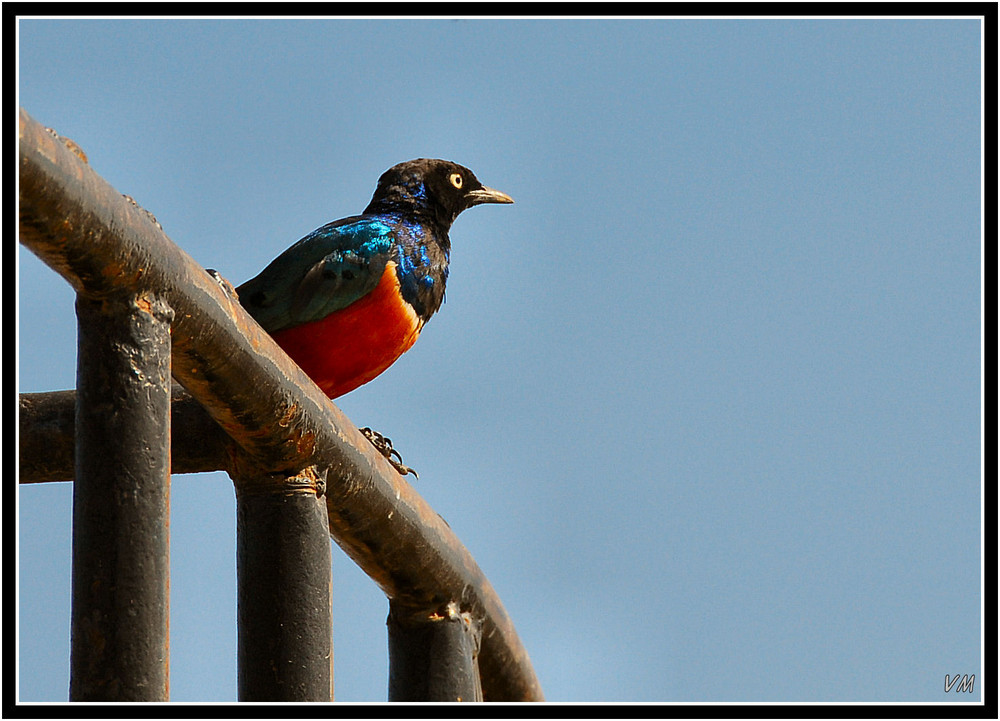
column 283, row 569
column 281, row 422
column 121, row 501
column 433, row 656
column 46, row 426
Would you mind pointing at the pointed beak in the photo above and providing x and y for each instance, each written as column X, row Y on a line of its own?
column 487, row 195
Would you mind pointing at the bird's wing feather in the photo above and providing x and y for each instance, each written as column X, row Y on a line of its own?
column 327, row 270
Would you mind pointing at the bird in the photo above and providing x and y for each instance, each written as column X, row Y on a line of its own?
column 348, row 299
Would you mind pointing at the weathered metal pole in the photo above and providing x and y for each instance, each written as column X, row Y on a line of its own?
column 283, row 569
column 82, row 228
column 433, row 656
column 121, row 496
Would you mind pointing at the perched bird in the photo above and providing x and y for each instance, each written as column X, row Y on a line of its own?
column 352, row 296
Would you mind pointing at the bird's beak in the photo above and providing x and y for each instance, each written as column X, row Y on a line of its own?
column 487, row 195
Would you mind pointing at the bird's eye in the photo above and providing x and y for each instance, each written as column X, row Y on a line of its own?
column 456, row 180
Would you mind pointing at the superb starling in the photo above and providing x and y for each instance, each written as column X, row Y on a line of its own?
column 352, row 296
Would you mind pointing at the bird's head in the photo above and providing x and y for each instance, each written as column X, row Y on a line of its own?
column 440, row 188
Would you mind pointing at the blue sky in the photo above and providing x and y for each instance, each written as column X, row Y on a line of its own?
column 704, row 404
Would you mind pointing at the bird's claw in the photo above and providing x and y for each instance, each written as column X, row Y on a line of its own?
column 384, row 446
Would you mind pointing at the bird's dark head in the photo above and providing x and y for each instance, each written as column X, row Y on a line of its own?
column 439, row 188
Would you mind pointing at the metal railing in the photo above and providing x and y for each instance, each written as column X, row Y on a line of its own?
column 302, row 472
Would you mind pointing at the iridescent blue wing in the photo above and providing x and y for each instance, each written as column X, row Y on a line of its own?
column 327, row 270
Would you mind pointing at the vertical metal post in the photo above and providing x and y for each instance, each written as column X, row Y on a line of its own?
column 283, row 567
column 121, row 501
column 433, row 656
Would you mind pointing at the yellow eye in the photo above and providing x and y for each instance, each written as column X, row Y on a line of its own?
column 456, row 180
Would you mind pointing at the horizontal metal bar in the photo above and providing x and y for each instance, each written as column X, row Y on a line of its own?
column 101, row 243
column 46, row 424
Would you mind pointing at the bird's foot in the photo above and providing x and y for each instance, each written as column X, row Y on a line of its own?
column 226, row 286
column 384, row 446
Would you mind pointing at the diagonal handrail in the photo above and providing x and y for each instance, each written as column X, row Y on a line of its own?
column 102, row 244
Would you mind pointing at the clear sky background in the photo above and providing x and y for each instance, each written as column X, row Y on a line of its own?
column 704, row 404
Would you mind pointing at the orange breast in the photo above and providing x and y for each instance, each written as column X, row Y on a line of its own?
column 353, row 345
